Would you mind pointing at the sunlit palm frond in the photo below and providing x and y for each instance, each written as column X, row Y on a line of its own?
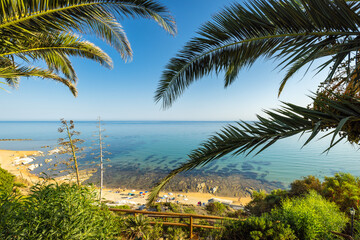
column 339, row 114
column 23, row 18
column 55, row 49
column 14, row 72
column 59, row 62
column 287, row 30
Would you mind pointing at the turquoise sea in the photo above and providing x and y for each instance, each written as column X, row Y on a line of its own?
column 144, row 146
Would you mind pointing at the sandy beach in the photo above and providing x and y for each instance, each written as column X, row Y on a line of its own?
column 9, row 160
column 121, row 196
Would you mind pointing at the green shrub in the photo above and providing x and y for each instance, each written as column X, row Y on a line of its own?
column 237, row 214
column 156, row 232
column 263, row 203
column 12, row 218
column 6, row 181
column 121, row 207
column 208, row 233
column 177, row 233
column 257, row 228
column 303, row 186
column 216, row 208
column 343, row 189
column 175, row 207
column 55, row 212
column 137, row 227
column 156, row 207
column 189, row 210
column 311, row 217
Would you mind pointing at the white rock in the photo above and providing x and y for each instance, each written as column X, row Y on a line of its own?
column 23, row 161
column 33, row 166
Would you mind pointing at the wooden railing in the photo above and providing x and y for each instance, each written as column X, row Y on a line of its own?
column 191, row 225
column 345, row 236
column 165, row 215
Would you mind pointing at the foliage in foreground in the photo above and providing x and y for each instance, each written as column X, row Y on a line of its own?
column 306, row 217
column 216, row 208
column 311, row 217
column 258, row 228
column 55, row 212
column 6, row 181
column 342, row 189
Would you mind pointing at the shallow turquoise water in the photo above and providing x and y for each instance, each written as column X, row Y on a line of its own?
column 161, row 146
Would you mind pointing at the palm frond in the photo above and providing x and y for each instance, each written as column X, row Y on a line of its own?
column 287, row 30
column 13, row 72
column 23, row 18
column 340, row 115
column 55, row 48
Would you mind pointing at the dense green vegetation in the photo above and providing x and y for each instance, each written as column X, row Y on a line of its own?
column 342, row 189
column 311, row 217
column 308, row 210
column 55, row 212
column 258, row 228
column 6, row 181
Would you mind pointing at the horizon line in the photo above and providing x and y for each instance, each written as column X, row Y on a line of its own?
column 107, row 120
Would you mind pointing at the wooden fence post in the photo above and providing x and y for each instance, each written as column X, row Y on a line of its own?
column 191, row 227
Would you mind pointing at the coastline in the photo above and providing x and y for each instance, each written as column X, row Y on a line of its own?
column 7, row 158
column 116, row 195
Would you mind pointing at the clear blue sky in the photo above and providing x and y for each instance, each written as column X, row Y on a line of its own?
column 126, row 92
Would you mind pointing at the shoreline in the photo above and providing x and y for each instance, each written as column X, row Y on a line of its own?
column 7, row 159
column 116, row 195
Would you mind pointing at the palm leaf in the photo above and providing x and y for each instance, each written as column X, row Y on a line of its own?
column 54, row 49
column 294, row 32
column 341, row 114
column 13, row 72
column 22, row 18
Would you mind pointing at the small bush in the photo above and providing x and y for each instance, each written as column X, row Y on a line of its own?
column 177, row 233
column 343, row 189
column 156, row 207
column 237, row 214
column 175, row 208
column 263, row 203
column 6, row 181
column 136, row 227
column 257, row 228
column 189, row 210
column 216, row 208
column 121, row 207
column 311, row 217
column 303, row 186
column 55, row 212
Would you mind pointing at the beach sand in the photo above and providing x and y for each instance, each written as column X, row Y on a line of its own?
column 7, row 158
column 121, row 196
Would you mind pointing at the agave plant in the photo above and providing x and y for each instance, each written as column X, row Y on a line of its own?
column 137, row 227
column 49, row 31
column 294, row 32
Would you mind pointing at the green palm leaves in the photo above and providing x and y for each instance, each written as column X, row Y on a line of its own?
column 341, row 114
column 45, row 30
column 296, row 32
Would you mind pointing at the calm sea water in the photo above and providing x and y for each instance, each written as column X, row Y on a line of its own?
column 154, row 146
